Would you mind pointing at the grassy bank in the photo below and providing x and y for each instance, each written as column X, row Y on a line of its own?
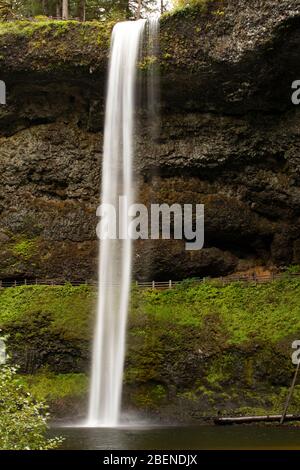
column 266, row 312
column 192, row 351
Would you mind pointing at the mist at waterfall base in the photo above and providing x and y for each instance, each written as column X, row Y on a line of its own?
column 116, row 255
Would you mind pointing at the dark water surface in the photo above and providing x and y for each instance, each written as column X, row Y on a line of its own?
column 180, row 438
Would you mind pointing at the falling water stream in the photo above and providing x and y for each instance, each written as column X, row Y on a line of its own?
column 115, row 255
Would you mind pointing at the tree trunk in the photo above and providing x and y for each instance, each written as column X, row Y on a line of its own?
column 162, row 8
column 58, row 9
column 65, row 9
column 138, row 11
column 81, row 10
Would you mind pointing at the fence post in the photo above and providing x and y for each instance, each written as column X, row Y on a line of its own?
column 15, row 284
column 153, row 284
column 170, row 284
column 25, row 282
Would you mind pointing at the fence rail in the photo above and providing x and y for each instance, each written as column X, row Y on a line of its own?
column 255, row 278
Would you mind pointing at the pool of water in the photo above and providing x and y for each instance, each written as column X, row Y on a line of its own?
column 179, row 438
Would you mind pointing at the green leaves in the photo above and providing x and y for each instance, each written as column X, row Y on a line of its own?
column 23, row 420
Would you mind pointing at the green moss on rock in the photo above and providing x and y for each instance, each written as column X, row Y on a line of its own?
column 25, row 248
column 54, row 45
column 65, row 394
column 50, row 387
column 199, row 349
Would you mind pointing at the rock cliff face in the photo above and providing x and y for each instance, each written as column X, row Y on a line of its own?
column 229, row 138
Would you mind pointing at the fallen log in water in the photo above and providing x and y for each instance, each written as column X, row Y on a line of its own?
column 254, row 419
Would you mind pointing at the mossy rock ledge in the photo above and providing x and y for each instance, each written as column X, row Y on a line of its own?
column 192, row 352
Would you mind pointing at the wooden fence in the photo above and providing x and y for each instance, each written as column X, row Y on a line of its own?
column 255, row 278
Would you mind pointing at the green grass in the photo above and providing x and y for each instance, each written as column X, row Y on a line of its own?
column 49, row 387
column 69, row 308
column 244, row 330
column 267, row 312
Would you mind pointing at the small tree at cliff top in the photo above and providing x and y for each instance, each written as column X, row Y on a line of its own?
column 23, row 420
column 187, row 3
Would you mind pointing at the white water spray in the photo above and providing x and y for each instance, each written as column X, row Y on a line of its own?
column 115, row 255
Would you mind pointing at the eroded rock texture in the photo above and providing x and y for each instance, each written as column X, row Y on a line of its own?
column 229, row 138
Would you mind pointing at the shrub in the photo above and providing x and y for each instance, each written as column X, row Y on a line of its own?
column 23, row 420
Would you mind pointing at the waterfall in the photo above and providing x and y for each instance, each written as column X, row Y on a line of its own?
column 115, row 255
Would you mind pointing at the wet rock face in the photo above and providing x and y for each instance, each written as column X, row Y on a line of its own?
column 236, row 56
column 229, row 139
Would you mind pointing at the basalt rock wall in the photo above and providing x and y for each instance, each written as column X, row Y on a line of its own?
column 228, row 138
